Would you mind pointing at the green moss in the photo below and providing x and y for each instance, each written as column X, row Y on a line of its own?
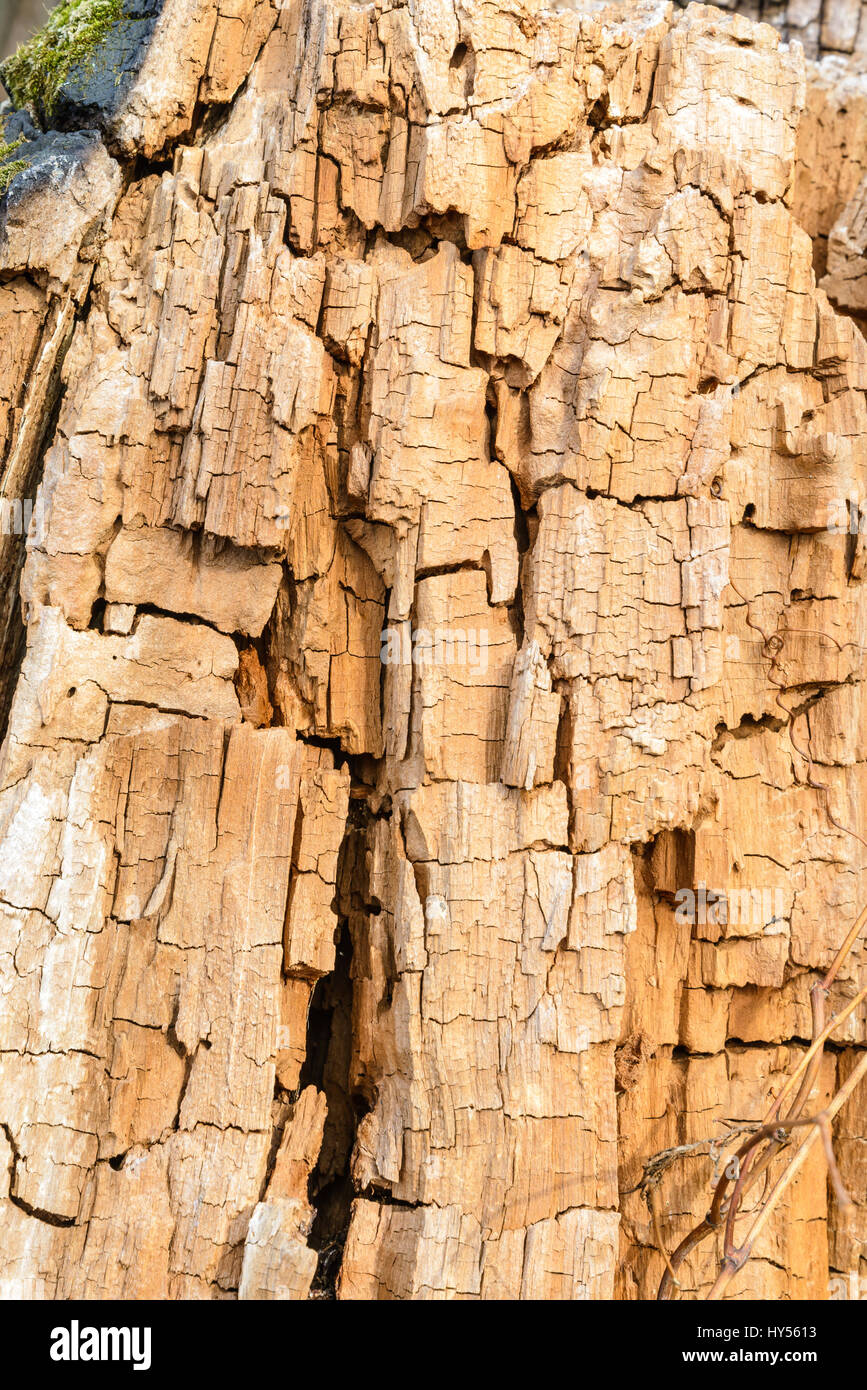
column 35, row 74
column 9, row 167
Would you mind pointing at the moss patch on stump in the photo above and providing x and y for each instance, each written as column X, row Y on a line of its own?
column 9, row 167
column 34, row 75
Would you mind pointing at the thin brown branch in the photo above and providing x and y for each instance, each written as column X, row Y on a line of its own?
column 786, row 1178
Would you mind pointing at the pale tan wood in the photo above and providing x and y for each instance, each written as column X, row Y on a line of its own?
column 444, row 563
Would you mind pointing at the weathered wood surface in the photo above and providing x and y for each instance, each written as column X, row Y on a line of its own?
column 441, row 560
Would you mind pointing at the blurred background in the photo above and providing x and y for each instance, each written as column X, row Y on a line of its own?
column 18, row 19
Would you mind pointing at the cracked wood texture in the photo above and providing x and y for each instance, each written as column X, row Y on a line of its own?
column 436, row 421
